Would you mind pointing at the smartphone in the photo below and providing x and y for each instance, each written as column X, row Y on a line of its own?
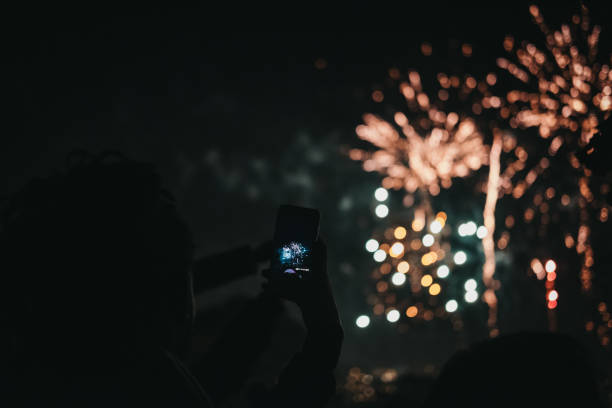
column 296, row 231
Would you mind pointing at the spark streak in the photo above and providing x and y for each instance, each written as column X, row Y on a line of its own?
column 488, row 243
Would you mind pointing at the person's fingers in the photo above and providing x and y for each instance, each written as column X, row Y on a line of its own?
column 322, row 247
column 263, row 251
column 319, row 258
column 320, row 241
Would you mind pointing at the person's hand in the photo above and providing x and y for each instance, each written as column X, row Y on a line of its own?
column 312, row 294
column 308, row 380
column 214, row 270
column 262, row 251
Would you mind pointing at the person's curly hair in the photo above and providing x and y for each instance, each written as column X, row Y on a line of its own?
column 95, row 252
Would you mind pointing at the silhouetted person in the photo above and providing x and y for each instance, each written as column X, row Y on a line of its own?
column 520, row 370
column 97, row 297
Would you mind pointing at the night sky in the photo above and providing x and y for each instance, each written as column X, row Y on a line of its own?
column 210, row 108
column 159, row 85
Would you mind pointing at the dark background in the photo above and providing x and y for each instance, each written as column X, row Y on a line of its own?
column 166, row 85
column 212, row 106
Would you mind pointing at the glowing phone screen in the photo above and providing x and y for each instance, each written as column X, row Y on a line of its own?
column 296, row 231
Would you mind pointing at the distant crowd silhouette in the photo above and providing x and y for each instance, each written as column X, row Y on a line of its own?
column 97, row 307
column 519, row 370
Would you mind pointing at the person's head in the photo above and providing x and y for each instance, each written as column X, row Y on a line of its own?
column 96, row 255
column 524, row 369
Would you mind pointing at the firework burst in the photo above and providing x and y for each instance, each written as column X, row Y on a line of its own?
column 567, row 95
column 436, row 145
column 429, row 145
column 433, row 148
column 571, row 90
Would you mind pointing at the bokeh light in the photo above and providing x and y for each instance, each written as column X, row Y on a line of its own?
column 400, row 233
column 538, row 268
column 435, row 226
column 553, row 295
column 428, row 240
column 412, row 311
column 451, row 306
column 403, row 267
column 398, row 279
column 471, row 296
column 380, row 255
column 393, row 315
column 418, row 224
column 470, row 285
column 371, row 245
column 429, row 258
column 481, row 232
column 381, row 194
column 396, row 249
column 467, row 229
column 460, row 257
column 362, row 321
column 381, row 211
column 443, row 271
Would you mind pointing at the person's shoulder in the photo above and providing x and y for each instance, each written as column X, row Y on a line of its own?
column 183, row 388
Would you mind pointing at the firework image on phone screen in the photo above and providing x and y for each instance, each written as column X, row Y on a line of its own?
column 296, row 232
